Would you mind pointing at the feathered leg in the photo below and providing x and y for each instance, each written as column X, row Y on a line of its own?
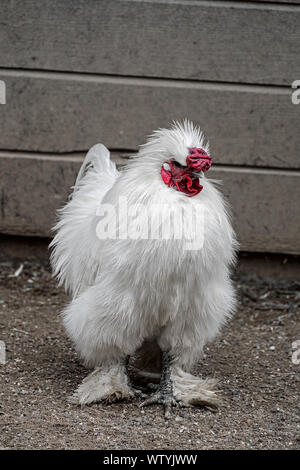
column 105, row 384
column 184, row 337
column 182, row 345
column 164, row 395
column 179, row 388
column 99, row 336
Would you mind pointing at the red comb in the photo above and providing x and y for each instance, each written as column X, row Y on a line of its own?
column 198, row 159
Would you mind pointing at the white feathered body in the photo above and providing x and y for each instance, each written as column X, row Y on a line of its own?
column 126, row 291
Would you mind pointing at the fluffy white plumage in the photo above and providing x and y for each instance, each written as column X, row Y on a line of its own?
column 126, row 291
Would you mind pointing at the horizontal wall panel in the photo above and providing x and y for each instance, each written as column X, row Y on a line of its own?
column 51, row 112
column 31, row 189
column 265, row 207
column 296, row 2
column 214, row 41
column 264, row 202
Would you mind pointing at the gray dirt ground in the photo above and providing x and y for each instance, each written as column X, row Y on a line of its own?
column 252, row 360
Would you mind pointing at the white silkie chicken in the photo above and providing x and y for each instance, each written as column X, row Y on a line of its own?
column 146, row 255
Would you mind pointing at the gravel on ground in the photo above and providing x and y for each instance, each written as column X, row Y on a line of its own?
column 253, row 359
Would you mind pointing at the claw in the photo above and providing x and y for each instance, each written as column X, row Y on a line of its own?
column 168, row 411
column 152, row 400
column 138, row 393
column 167, row 405
column 167, row 400
column 164, row 394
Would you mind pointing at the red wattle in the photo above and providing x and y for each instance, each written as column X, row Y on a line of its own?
column 181, row 178
column 166, row 176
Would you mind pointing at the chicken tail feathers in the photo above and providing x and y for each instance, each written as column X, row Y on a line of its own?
column 73, row 256
column 97, row 157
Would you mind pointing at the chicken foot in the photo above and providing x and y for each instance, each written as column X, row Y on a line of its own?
column 164, row 395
